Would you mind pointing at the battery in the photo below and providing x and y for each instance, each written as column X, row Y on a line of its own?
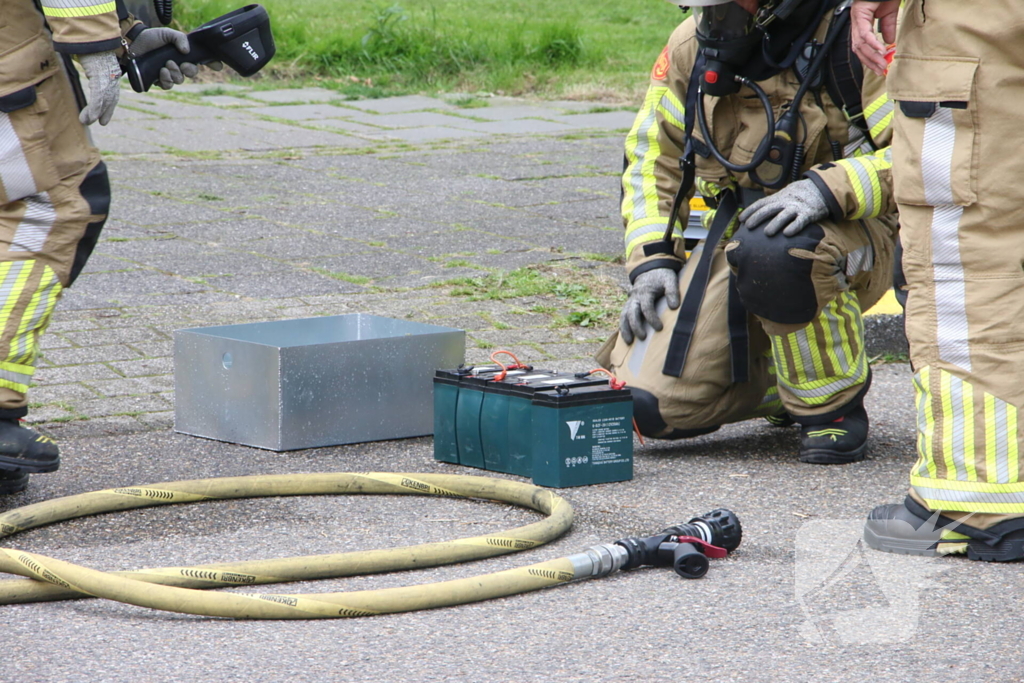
column 520, row 415
column 446, row 397
column 458, row 402
column 582, row 436
column 496, row 429
column 490, row 424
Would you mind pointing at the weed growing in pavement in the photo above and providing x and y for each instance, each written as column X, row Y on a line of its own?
column 344, row 277
column 587, row 299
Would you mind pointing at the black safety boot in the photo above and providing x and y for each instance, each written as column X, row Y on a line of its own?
column 26, row 450
column 781, row 420
column 12, row 482
column 838, row 442
column 912, row 529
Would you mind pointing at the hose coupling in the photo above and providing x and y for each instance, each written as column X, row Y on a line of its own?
column 598, row 561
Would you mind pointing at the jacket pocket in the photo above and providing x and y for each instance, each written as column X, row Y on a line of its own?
column 934, row 130
column 26, row 164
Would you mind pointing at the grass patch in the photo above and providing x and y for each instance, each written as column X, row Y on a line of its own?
column 344, row 277
column 500, row 286
column 604, row 258
column 587, row 300
column 597, row 50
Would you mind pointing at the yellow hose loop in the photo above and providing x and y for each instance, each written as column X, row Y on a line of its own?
column 173, row 588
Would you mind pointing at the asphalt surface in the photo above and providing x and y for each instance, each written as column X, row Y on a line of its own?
column 225, row 213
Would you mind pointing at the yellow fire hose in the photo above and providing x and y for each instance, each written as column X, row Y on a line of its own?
column 174, row 588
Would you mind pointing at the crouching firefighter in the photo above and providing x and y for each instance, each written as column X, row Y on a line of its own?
column 762, row 107
column 54, row 191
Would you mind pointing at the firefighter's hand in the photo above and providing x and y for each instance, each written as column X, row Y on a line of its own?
column 642, row 305
column 865, row 43
column 789, row 210
column 173, row 72
column 103, row 71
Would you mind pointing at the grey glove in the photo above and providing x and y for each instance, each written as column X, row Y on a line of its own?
column 173, row 72
column 790, row 210
column 103, row 71
column 642, row 306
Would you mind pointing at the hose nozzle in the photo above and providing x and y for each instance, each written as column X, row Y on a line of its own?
column 686, row 547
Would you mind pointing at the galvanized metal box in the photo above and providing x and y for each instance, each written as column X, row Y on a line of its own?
column 313, row 382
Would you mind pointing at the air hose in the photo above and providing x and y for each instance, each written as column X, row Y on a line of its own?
column 173, row 589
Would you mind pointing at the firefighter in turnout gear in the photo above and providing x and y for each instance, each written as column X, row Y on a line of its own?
column 955, row 78
column 54, row 192
column 762, row 107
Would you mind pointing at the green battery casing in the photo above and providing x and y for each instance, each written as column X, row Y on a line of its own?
column 457, row 414
column 467, row 418
column 520, row 415
column 582, row 436
column 446, row 396
column 494, row 426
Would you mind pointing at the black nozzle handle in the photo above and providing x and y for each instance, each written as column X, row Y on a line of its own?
column 143, row 71
column 688, row 561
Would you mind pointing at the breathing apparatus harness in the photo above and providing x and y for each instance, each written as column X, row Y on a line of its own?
column 776, row 162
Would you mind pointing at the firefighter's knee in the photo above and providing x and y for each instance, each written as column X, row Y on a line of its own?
column 647, row 413
column 773, row 283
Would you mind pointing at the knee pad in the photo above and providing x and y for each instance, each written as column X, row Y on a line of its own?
column 772, row 283
column 650, row 422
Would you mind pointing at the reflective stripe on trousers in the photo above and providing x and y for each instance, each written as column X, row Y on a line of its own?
column 827, row 356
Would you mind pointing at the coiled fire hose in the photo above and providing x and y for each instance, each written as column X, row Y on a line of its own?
column 173, row 589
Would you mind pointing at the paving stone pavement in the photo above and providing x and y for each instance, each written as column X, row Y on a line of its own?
column 239, row 205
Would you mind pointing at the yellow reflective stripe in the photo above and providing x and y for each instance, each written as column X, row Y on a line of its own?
column 15, row 376
column 23, row 270
column 639, row 184
column 814, row 347
column 66, row 12
column 1011, row 438
column 829, row 338
column 812, row 385
column 24, row 345
column 967, row 410
column 970, row 506
column 862, row 172
column 967, row 486
column 921, row 403
column 672, row 109
column 932, row 423
column 962, row 455
column 876, row 105
column 877, row 129
column 798, row 361
column 644, row 231
column 991, row 473
column 947, row 424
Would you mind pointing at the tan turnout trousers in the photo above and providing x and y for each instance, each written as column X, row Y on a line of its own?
column 54, row 193
column 958, row 76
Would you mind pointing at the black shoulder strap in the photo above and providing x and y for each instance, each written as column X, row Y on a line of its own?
column 687, row 162
column 844, row 78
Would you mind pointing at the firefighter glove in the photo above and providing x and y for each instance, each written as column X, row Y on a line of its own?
column 789, row 210
column 103, row 71
column 642, row 306
column 173, row 72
